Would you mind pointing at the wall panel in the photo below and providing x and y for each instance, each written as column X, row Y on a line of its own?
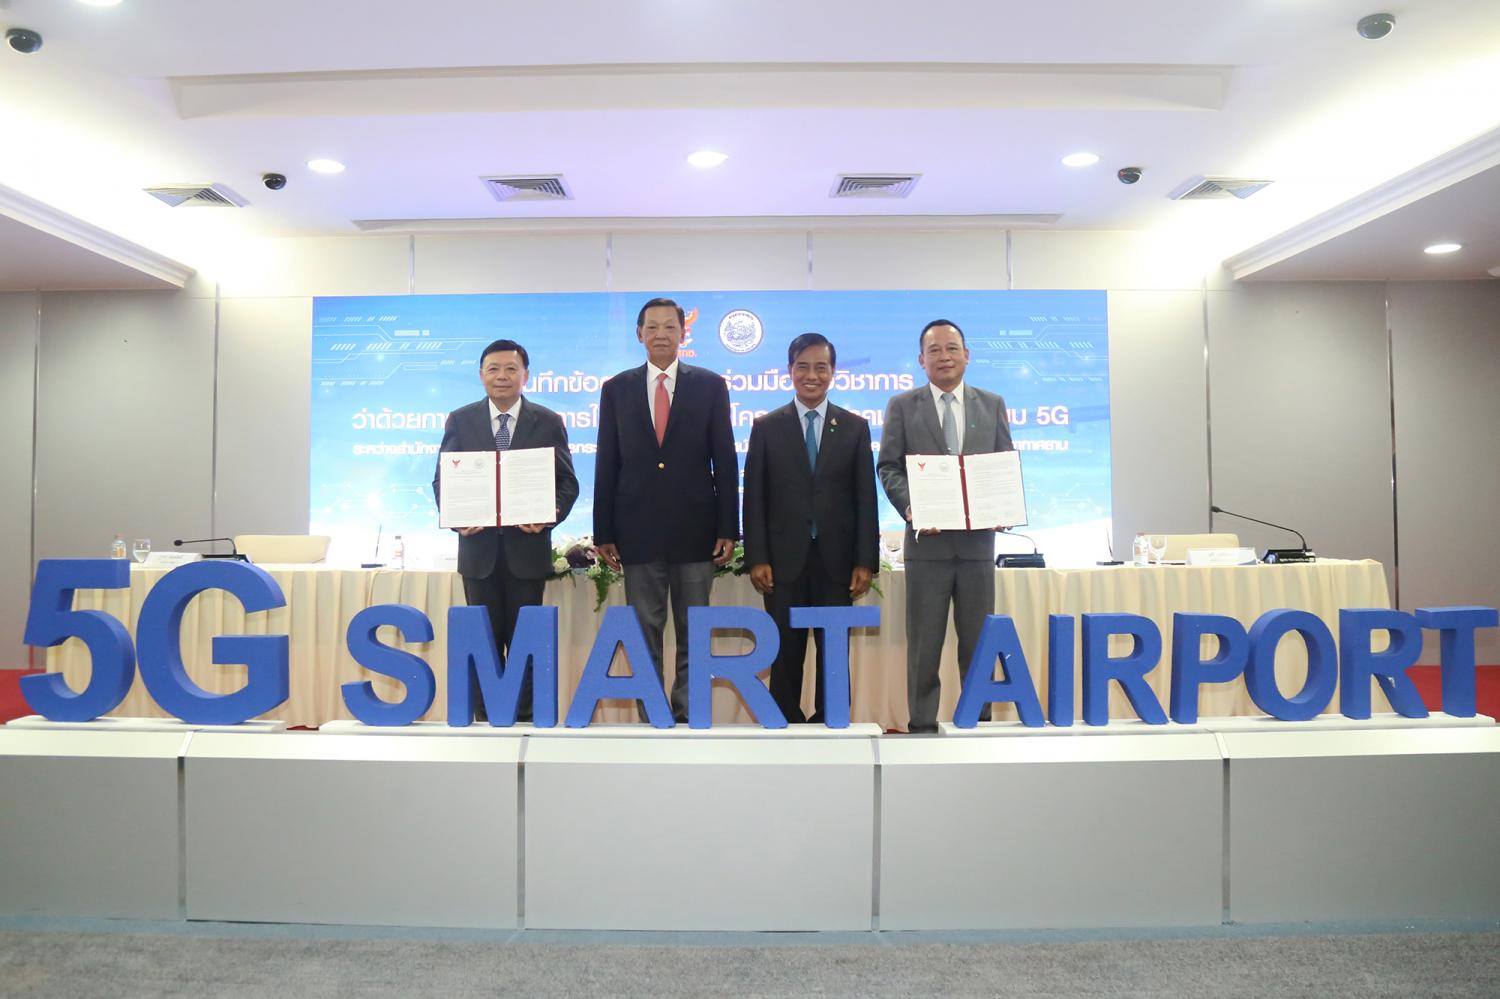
column 124, row 420
column 18, row 338
column 1446, row 343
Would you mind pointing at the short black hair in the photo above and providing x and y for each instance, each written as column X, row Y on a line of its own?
column 806, row 340
column 502, row 345
column 939, row 322
column 656, row 303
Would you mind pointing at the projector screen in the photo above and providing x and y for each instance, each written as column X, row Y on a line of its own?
column 387, row 370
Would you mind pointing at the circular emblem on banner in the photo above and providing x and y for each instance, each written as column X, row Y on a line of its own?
column 741, row 331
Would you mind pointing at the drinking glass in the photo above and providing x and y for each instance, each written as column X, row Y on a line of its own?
column 141, row 549
column 1157, row 543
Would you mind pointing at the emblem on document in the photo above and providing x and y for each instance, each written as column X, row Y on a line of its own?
column 741, row 331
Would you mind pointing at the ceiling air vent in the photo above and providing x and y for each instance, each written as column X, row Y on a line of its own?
column 874, row 185
column 1214, row 188
column 197, row 196
column 551, row 188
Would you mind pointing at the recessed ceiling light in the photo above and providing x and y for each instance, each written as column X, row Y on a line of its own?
column 1437, row 248
column 707, row 159
column 1080, row 159
column 325, row 166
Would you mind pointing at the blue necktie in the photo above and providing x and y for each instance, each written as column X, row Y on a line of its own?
column 812, row 450
column 502, row 436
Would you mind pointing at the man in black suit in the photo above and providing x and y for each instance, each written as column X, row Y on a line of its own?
column 506, row 568
column 811, row 534
column 666, row 484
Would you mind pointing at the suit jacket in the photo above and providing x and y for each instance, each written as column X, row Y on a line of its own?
column 912, row 426
column 670, row 501
column 784, row 495
column 529, row 556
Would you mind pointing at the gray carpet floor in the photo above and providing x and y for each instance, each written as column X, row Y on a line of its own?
column 310, row 961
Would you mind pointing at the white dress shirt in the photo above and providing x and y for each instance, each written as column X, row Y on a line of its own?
column 958, row 409
column 514, row 412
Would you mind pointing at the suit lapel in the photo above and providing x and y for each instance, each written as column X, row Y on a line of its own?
column 525, row 426
column 928, row 408
column 974, row 417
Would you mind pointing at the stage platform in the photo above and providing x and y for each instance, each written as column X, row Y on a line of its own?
column 741, row 828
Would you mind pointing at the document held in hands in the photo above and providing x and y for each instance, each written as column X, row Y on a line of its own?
column 497, row 488
column 970, row 492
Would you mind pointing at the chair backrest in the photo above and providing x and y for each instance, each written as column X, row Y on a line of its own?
column 1178, row 544
column 283, row 548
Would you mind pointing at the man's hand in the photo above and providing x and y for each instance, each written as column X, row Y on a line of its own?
column 469, row 532
column 923, row 531
column 761, row 578
column 610, row 554
column 723, row 550
column 859, row 582
column 534, row 528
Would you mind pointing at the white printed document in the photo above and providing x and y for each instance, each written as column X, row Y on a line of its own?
column 466, row 488
column 971, row 492
column 528, row 486
column 497, row 488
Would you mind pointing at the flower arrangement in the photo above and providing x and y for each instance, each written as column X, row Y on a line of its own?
column 577, row 557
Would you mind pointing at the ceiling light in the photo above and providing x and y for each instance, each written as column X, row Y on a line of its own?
column 1080, row 159
column 1437, row 248
column 325, row 166
column 707, row 159
column 100, row 3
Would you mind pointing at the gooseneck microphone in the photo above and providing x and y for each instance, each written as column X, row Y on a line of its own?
column 234, row 552
column 1035, row 560
column 1303, row 554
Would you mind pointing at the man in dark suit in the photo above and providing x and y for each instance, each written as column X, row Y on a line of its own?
column 666, row 484
column 811, row 534
column 506, row 568
column 943, row 568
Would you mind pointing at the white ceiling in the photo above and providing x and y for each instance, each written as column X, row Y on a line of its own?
column 980, row 98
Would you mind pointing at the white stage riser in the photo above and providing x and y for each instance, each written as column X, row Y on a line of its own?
column 635, row 829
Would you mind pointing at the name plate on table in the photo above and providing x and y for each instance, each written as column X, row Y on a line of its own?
column 170, row 559
column 1221, row 556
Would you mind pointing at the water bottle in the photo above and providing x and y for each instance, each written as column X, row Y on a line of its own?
column 1141, row 550
column 117, row 547
column 398, row 555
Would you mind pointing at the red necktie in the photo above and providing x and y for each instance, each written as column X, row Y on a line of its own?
column 663, row 407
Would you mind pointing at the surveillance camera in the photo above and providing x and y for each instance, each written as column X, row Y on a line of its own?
column 1375, row 26
column 23, row 40
column 274, row 181
column 1129, row 175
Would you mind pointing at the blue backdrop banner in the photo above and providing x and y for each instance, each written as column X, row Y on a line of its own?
column 387, row 370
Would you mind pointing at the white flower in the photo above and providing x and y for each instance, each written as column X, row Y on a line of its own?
column 559, row 564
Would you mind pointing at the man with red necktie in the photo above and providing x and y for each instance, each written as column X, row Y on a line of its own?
column 666, row 484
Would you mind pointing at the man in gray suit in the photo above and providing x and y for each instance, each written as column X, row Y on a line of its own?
column 506, row 568
column 943, row 568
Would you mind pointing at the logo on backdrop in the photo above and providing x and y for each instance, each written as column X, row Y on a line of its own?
column 741, row 331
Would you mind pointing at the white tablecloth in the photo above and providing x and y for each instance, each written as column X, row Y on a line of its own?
column 322, row 600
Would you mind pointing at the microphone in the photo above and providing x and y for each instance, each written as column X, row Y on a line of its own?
column 1303, row 554
column 1021, row 561
column 379, row 529
column 234, row 552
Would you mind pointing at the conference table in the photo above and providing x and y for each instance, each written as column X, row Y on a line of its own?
column 321, row 600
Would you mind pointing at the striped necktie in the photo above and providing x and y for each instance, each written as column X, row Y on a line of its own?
column 502, row 436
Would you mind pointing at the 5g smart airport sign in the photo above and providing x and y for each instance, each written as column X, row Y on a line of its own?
column 998, row 672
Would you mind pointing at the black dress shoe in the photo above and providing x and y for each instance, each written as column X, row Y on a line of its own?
column 922, row 729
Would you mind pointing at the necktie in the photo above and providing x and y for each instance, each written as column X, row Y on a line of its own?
column 663, row 407
column 950, row 424
column 502, row 436
column 812, row 450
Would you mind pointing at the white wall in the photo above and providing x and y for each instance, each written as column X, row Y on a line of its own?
column 1445, row 341
column 18, row 339
column 1294, row 401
